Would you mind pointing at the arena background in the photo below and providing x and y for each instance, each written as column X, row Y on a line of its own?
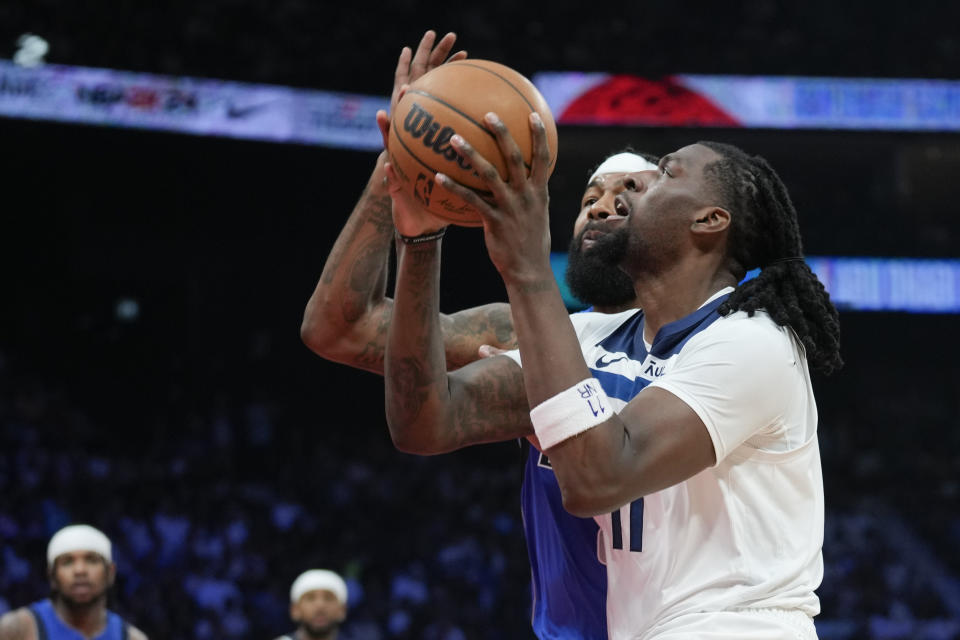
column 153, row 383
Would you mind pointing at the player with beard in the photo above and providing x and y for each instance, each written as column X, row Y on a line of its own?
column 588, row 273
column 686, row 428
column 318, row 604
column 81, row 572
column 347, row 318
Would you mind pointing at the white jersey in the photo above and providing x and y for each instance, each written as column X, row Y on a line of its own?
column 745, row 534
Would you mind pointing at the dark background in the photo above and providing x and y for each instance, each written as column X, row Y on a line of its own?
column 221, row 242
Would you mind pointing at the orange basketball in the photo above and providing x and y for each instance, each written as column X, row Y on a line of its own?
column 453, row 98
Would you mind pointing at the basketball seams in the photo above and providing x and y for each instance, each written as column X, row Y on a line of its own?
column 467, row 63
column 432, row 170
column 479, row 125
column 441, row 101
column 430, row 115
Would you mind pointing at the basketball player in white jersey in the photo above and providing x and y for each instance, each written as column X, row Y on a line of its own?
column 318, row 605
column 687, row 429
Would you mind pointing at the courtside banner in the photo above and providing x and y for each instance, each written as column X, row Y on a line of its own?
column 909, row 285
column 189, row 105
column 751, row 101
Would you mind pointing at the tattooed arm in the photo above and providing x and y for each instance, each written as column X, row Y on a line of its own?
column 347, row 316
column 428, row 409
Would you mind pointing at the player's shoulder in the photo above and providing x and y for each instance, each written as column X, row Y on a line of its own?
column 740, row 324
column 18, row 625
column 593, row 324
column 135, row 634
column 753, row 337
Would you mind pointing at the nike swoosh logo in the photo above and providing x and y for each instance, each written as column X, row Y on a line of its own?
column 234, row 112
column 603, row 364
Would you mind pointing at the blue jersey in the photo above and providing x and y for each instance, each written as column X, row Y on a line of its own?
column 568, row 579
column 51, row 627
column 569, row 584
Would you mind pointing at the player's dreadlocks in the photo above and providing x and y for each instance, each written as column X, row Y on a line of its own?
column 765, row 233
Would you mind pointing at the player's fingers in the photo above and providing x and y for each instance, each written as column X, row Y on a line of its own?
column 422, row 57
column 540, row 162
column 459, row 55
column 401, row 74
column 488, row 351
column 392, row 178
column 487, row 172
column 486, row 211
column 383, row 123
column 442, row 50
column 516, row 167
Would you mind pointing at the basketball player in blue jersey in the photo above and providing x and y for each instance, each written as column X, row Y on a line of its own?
column 318, row 604
column 347, row 317
column 81, row 573
column 688, row 429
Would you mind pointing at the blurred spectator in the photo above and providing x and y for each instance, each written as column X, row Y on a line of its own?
column 81, row 572
column 318, row 605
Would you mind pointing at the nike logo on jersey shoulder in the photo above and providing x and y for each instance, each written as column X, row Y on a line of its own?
column 603, row 364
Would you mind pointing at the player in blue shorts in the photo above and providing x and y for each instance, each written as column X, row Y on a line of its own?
column 687, row 429
column 347, row 317
column 81, row 573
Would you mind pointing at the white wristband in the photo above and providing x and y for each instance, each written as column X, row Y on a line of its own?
column 581, row 407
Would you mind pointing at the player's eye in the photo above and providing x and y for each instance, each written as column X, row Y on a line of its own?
column 665, row 171
column 588, row 202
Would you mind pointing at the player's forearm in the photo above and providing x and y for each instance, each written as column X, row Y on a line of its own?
column 552, row 363
column 349, row 302
column 417, row 395
column 551, row 354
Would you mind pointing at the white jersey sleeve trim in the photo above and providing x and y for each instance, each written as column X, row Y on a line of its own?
column 590, row 327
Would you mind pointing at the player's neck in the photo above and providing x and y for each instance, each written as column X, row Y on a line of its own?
column 89, row 619
column 616, row 308
column 304, row 634
column 671, row 296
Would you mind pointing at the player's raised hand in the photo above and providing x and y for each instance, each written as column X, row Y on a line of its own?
column 411, row 65
column 409, row 216
column 516, row 221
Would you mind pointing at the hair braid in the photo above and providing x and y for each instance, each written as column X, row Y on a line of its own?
column 765, row 233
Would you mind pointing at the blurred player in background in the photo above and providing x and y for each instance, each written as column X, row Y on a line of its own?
column 81, row 572
column 347, row 317
column 318, row 605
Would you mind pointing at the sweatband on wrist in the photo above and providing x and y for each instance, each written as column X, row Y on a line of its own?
column 571, row 412
column 426, row 237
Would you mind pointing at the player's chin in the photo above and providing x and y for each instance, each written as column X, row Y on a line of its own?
column 81, row 596
column 321, row 625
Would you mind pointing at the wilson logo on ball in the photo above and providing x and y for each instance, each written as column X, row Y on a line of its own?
column 420, row 123
column 453, row 99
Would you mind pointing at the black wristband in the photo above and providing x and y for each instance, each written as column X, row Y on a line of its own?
column 426, row 237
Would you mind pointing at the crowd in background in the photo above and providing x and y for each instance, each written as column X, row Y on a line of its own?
column 214, row 509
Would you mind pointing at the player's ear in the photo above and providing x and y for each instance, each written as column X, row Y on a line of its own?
column 709, row 220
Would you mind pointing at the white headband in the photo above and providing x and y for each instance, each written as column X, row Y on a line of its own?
column 78, row 537
column 623, row 163
column 319, row 579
